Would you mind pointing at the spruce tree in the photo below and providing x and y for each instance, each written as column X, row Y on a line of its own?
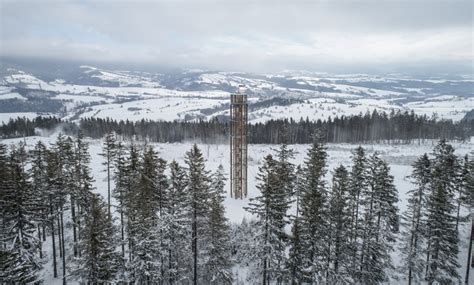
column 218, row 260
column 109, row 151
column 198, row 188
column 39, row 183
column 339, row 247
column 296, row 249
column 144, row 234
column 380, row 223
column 441, row 233
column 414, row 221
column 121, row 179
column 470, row 204
column 19, row 259
column 313, row 212
column 99, row 262
column 357, row 185
column 270, row 209
column 176, row 225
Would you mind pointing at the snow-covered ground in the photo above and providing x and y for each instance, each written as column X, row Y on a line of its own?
column 198, row 93
column 400, row 158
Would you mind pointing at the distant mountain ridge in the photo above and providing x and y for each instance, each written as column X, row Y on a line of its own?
column 82, row 90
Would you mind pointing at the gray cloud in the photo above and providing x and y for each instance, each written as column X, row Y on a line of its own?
column 243, row 35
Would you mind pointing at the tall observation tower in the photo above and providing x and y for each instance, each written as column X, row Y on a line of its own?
column 238, row 144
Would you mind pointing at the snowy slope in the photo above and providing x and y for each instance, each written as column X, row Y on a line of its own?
column 319, row 95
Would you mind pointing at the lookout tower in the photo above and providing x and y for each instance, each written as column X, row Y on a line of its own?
column 238, row 144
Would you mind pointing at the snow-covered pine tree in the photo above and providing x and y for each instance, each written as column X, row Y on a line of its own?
column 414, row 222
column 176, row 226
column 380, row 223
column 162, row 193
column 470, row 204
column 4, row 177
column 109, row 152
column 121, row 179
column 39, row 179
column 462, row 187
column 83, row 177
column 20, row 261
column 313, row 212
column 339, row 247
column 296, row 250
column 198, row 189
column 63, row 150
column 145, row 263
column 218, row 260
column 81, row 188
column 441, row 233
column 357, row 185
column 56, row 191
column 98, row 262
column 131, row 181
column 286, row 169
column 270, row 208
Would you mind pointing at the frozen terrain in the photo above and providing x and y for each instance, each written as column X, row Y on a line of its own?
column 191, row 94
column 400, row 158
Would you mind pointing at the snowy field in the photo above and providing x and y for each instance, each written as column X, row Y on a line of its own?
column 400, row 158
column 319, row 96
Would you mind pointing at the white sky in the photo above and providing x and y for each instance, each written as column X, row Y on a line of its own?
column 245, row 35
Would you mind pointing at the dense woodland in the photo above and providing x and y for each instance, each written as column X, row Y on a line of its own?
column 396, row 127
column 164, row 223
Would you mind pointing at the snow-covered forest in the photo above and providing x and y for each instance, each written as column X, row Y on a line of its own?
column 76, row 210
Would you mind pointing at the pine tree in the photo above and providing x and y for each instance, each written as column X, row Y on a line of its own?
column 414, row 220
column 313, row 213
column 286, row 169
column 218, row 259
column 121, row 179
column 357, row 185
column 176, row 225
column 441, row 233
column 99, row 262
column 39, row 183
column 131, row 181
column 198, row 188
column 4, row 186
column 469, row 185
column 296, row 250
column 380, row 223
column 109, row 152
column 19, row 260
column 56, row 193
column 339, row 247
column 270, row 208
column 144, row 233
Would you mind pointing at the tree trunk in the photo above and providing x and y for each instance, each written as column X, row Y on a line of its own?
column 40, row 243
column 108, row 186
column 469, row 253
column 59, row 237
column 55, row 269
column 64, row 251
column 74, row 233
column 194, row 245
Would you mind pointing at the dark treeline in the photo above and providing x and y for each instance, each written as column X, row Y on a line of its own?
column 396, row 127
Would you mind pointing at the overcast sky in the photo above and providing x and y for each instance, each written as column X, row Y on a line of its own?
column 245, row 35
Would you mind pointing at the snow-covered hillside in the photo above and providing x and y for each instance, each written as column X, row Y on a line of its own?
column 118, row 94
column 400, row 158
